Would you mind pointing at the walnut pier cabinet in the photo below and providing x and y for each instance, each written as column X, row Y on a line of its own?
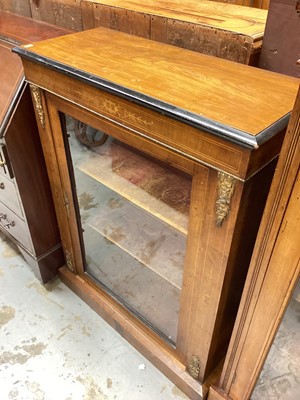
column 160, row 161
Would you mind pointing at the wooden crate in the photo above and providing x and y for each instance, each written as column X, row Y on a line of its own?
column 222, row 30
column 63, row 13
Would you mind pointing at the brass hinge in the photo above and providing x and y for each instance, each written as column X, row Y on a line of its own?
column 69, row 262
column 194, row 367
column 226, row 188
column 37, row 99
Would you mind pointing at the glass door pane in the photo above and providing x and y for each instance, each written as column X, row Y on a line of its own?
column 134, row 217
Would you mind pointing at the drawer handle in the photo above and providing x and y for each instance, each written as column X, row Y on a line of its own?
column 2, row 216
column 10, row 224
column 2, row 186
column 2, row 163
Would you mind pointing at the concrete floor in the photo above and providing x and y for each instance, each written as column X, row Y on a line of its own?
column 280, row 377
column 54, row 347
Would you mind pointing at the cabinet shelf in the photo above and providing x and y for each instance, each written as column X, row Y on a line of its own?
column 161, row 192
column 147, row 239
column 141, row 288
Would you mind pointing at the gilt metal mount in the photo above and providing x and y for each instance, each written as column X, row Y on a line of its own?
column 226, row 187
column 69, row 262
column 194, row 367
column 37, row 98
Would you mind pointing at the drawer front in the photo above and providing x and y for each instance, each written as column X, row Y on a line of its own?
column 5, row 166
column 15, row 226
column 9, row 195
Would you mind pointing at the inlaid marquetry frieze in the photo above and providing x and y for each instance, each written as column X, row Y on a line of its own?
column 171, row 132
column 117, row 110
column 184, row 139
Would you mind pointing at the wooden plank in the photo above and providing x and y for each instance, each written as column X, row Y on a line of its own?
column 217, row 394
column 264, row 4
column 66, row 14
column 131, row 22
column 42, row 10
column 121, row 20
column 142, row 289
column 158, row 28
column 16, row 6
column 138, row 193
column 102, row 15
column 237, row 2
column 152, row 242
column 243, row 20
column 87, row 12
column 209, row 40
column 223, row 31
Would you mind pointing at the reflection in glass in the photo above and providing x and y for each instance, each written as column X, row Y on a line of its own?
column 134, row 216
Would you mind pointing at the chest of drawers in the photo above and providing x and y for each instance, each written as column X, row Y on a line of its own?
column 27, row 213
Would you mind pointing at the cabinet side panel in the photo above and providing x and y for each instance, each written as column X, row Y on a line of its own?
column 26, row 156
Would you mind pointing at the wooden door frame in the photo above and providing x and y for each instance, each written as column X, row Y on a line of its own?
column 272, row 276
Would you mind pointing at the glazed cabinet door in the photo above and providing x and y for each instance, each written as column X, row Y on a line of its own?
column 132, row 216
column 139, row 226
column 132, row 213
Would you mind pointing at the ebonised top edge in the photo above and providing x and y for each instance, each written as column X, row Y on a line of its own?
column 216, row 128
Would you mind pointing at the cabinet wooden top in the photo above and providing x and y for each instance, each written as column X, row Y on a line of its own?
column 238, row 19
column 241, row 103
